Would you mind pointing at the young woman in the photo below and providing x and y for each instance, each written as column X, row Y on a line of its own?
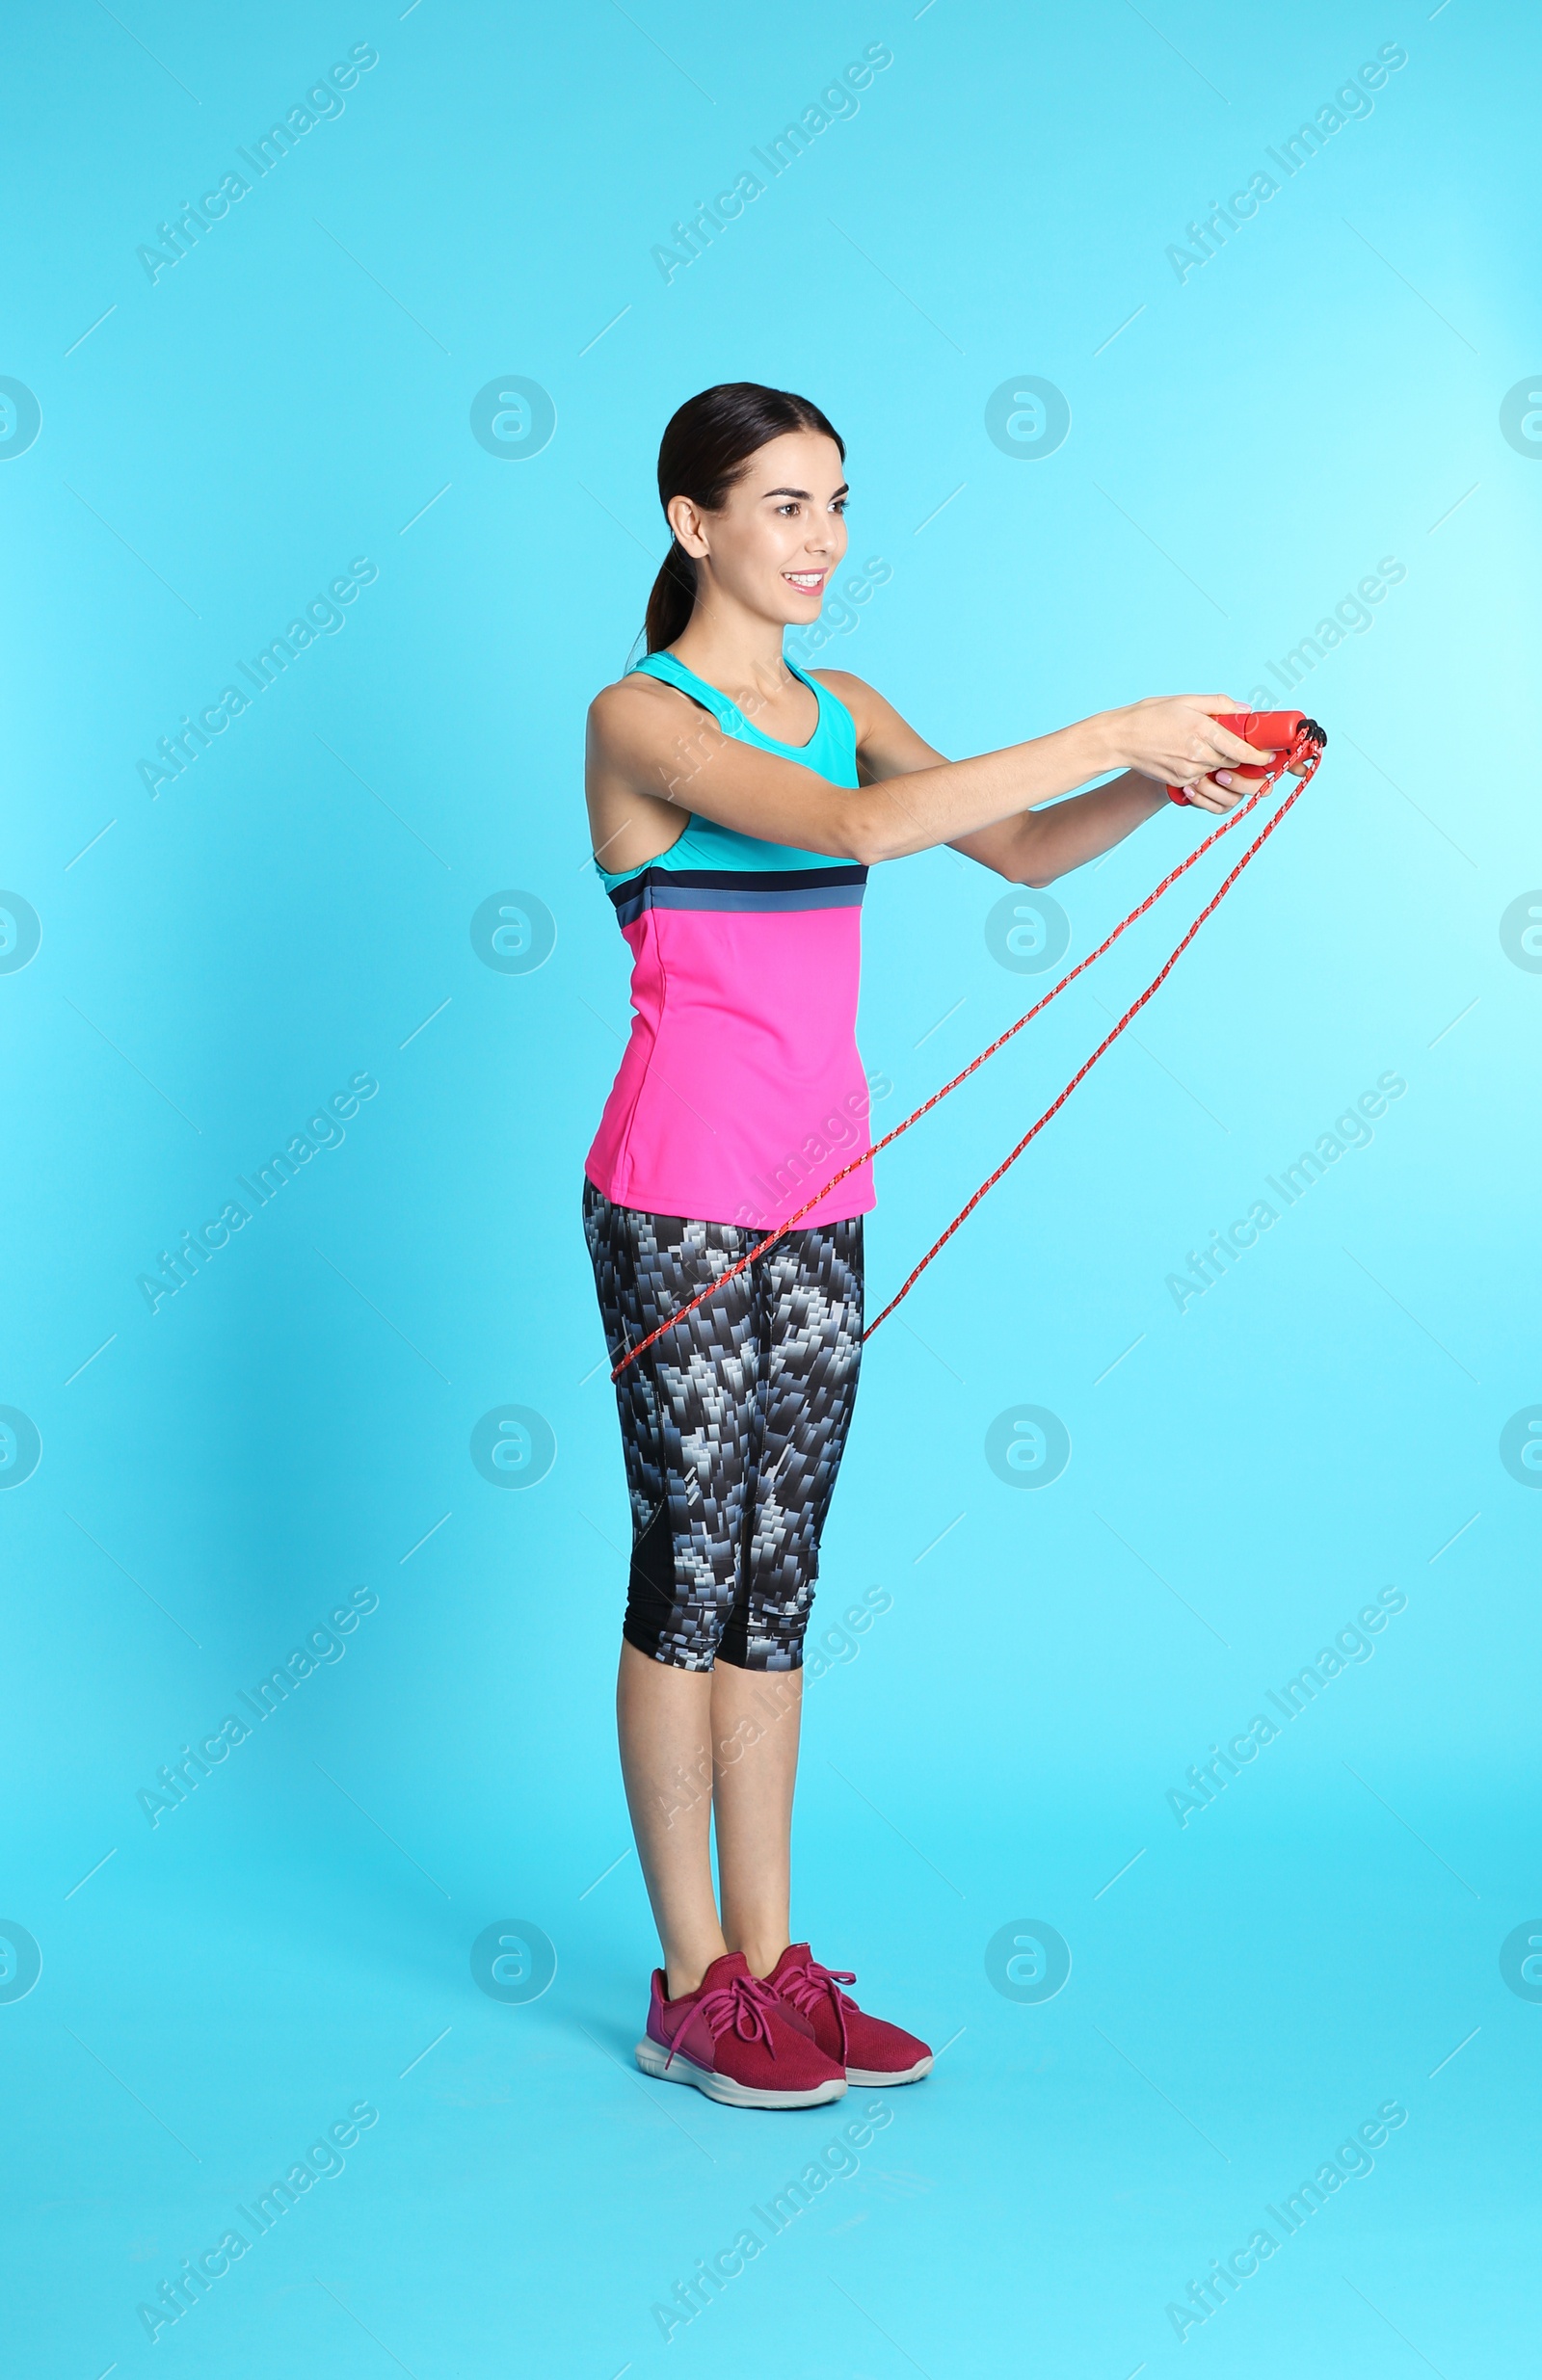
column 736, row 804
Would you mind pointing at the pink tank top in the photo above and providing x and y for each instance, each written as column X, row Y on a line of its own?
column 740, row 1090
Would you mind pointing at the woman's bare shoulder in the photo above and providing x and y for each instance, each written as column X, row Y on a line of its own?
column 886, row 744
column 635, row 706
column 863, row 701
column 844, row 683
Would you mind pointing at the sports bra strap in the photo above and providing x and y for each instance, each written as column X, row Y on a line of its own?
column 729, row 718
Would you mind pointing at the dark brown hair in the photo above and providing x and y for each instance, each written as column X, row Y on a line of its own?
column 703, row 452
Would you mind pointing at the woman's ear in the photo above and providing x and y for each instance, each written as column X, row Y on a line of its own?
column 685, row 520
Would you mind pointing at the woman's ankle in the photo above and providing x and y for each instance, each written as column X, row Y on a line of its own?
column 683, row 1974
column 761, row 1951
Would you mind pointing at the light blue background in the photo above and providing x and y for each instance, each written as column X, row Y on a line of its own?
column 218, row 960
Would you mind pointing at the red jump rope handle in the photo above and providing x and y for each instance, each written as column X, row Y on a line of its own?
column 1287, row 735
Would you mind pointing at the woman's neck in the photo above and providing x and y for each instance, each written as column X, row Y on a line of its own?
column 737, row 650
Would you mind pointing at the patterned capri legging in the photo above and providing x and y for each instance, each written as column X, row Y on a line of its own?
column 733, row 1425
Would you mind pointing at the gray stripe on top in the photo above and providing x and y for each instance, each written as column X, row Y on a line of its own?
column 757, row 897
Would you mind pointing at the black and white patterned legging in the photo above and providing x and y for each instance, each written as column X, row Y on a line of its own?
column 733, row 1425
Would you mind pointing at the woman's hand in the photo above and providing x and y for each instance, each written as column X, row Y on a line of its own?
column 1230, row 790
column 1175, row 739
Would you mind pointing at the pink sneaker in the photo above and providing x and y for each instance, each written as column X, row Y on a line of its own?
column 733, row 2038
column 871, row 2052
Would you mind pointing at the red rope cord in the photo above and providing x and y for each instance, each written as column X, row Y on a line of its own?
column 1110, row 1037
column 731, row 1272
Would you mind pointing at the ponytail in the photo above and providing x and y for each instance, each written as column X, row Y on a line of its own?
column 704, row 451
column 673, row 598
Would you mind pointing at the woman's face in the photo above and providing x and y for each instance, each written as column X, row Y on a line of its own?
column 781, row 535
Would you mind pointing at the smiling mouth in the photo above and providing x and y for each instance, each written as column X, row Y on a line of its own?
column 807, row 582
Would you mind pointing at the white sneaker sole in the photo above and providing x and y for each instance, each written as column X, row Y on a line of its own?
column 870, row 2080
column 663, row 2068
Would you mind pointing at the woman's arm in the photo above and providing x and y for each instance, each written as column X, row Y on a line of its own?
column 655, row 758
column 1036, row 846
column 1043, row 844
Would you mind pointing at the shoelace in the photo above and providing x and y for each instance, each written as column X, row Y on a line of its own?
column 806, row 1986
column 742, row 1998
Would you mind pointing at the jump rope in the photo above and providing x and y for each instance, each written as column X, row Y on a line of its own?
column 1293, row 741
